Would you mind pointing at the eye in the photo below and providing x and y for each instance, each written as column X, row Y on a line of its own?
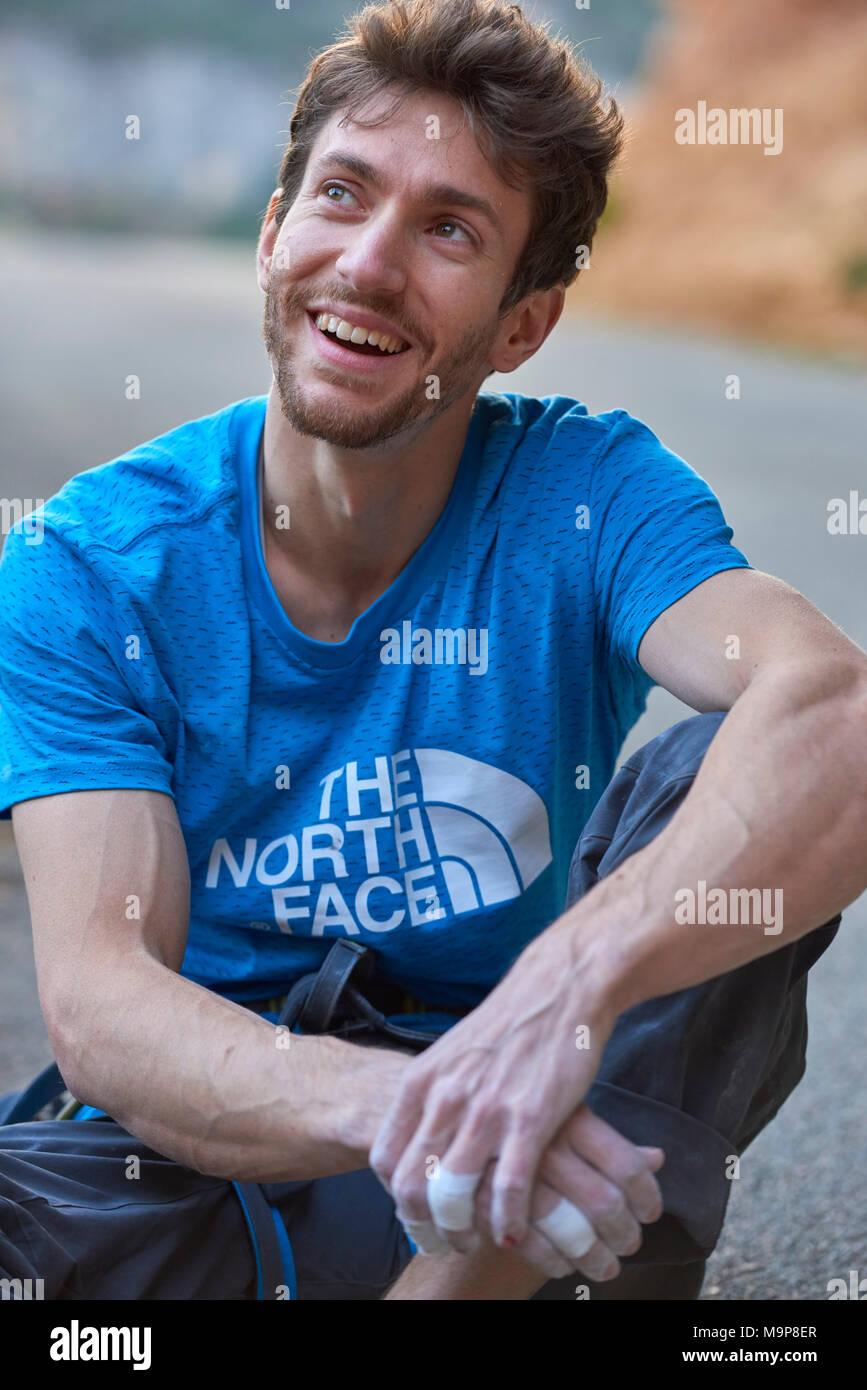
column 447, row 222
column 326, row 188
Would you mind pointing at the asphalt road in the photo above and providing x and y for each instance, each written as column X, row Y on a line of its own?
column 83, row 315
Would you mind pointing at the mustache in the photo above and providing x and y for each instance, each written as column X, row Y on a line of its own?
column 294, row 302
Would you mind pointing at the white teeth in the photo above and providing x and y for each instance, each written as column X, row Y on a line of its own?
column 349, row 332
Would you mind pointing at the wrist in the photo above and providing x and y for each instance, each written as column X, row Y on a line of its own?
column 596, row 944
column 372, row 1076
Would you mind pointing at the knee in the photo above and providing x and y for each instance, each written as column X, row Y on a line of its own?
column 685, row 743
column 640, row 799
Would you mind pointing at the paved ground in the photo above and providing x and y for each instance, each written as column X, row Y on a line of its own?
column 185, row 319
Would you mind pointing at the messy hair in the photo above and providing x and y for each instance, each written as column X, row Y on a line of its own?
column 534, row 106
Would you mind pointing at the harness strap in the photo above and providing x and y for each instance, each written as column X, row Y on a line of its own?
column 48, row 1085
column 345, row 961
column 335, row 1000
column 268, row 1247
column 290, row 1280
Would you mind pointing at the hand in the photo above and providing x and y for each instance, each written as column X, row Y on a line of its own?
column 495, row 1089
column 608, row 1179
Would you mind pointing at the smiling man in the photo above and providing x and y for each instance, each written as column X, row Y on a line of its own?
column 247, row 730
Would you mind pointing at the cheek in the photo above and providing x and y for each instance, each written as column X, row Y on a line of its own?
column 308, row 243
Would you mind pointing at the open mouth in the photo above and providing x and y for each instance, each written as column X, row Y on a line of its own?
column 383, row 345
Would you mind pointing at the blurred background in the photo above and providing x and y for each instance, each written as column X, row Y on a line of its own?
column 725, row 305
column 775, row 247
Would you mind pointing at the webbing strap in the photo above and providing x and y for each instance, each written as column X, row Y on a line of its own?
column 45, row 1087
column 266, row 1242
column 290, row 1280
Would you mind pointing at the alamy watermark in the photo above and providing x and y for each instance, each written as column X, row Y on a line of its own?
column 855, row 1288
column 738, row 125
column 77, row 1343
column 22, row 1290
column 722, row 907
column 23, row 515
column 847, row 516
column 445, row 646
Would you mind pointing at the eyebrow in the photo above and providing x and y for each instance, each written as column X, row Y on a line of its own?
column 429, row 193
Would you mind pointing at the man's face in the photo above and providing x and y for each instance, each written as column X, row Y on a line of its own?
column 406, row 251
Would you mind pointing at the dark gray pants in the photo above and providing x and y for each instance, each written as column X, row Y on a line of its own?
column 699, row 1073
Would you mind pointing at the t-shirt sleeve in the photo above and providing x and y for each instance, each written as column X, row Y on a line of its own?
column 69, row 720
column 659, row 531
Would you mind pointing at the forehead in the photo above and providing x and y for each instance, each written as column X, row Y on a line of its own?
column 425, row 146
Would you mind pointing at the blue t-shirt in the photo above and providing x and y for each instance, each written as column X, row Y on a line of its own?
column 418, row 787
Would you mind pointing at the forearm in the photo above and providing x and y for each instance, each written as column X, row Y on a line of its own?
column 486, row 1274
column 779, row 805
column 209, row 1084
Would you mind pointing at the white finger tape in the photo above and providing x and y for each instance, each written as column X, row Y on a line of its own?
column 426, row 1236
column 568, row 1229
column 450, row 1197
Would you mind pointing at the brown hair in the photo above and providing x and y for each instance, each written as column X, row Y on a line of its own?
column 538, row 107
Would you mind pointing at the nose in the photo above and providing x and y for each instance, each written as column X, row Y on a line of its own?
column 372, row 259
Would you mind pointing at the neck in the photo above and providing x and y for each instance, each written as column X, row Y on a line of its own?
column 357, row 516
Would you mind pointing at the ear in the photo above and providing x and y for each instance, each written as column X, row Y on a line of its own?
column 267, row 238
column 525, row 329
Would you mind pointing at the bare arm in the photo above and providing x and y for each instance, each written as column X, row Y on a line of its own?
column 778, row 805
column 197, row 1077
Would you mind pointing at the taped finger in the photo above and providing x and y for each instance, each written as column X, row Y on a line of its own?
column 568, row 1230
column 451, row 1198
column 425, row 1237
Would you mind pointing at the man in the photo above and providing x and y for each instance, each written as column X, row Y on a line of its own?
column 355, row 663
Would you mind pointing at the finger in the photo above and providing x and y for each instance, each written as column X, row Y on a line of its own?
column 618, row 1160
column 424, row 1235
column 452, row 1196
column 451, row 1199
column 568, row 1230
column 653, row 1156
column 513, row 1180
column 416, row 1172
column 417, row 1175
column 396, row 1131
column 599, row 1264
column 535, row 1249
column 602, row 1203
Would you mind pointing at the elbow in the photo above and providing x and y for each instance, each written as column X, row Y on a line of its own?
column 65, row 1024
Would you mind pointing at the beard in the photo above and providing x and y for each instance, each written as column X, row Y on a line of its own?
column 360, row 426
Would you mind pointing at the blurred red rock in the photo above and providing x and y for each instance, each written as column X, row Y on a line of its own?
column 725, row 236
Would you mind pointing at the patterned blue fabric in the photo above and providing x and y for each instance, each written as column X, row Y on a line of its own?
column 418, row 786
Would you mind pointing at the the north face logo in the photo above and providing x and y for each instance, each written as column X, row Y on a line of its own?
column 411, row 838
column 486, row 825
